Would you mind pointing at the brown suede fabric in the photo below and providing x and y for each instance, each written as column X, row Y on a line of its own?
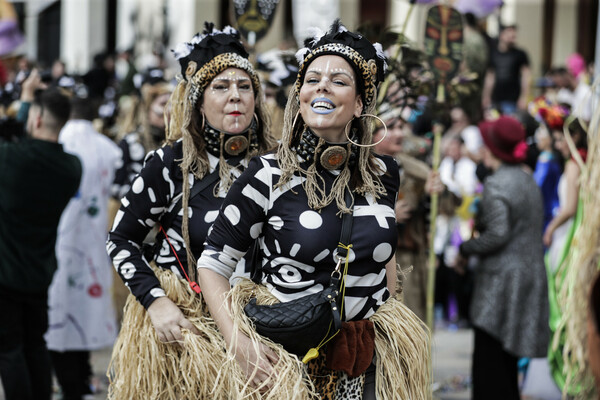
column 352, row 348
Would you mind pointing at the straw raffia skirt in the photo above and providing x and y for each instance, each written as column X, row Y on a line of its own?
column 201, row 367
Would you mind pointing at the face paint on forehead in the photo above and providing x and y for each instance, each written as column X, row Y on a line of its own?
column 231, row 78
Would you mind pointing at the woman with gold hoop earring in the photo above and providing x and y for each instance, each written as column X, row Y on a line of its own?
column 218, row 122
column 289, row 206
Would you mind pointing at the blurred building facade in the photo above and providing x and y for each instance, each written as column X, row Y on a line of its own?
column 75, row 30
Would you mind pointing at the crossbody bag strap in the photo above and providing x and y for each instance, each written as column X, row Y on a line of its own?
column 343, row 245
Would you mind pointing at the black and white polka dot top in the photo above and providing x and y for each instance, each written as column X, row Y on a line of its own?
column 154, row 192
column 132, row 162
column 298, row 244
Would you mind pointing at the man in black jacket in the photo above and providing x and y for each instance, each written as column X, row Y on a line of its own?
column 37, row 180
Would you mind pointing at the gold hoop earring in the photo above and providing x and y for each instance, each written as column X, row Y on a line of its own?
column 366, row 145
column 256, row 118
column 203, row 119
column 293, row 127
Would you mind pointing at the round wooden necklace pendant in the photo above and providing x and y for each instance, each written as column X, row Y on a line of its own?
column 333, row 157
column 236, row 145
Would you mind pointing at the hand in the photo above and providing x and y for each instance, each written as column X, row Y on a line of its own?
column 522, row 103
column 30, row 85
column 433, row 184
column 547, row 238
column 168, row 320
column 460, row 263
column 256, row 362
column 486, row 102
column 402, row 210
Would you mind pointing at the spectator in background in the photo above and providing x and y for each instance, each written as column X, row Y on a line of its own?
column 508, row 76
column 547, row 172
column 149, row 121
column 101, row 76
column 457, row 170
column 573, row 92
column 463, row 128
column 509, row 308
column 81, row 316
column 30, row 170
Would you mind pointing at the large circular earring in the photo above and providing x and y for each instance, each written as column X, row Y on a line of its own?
column 203, row 119
column 293, row 126
column 366, row 145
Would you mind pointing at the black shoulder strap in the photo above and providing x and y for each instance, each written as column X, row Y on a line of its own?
column 198, row 187
column 346, row 227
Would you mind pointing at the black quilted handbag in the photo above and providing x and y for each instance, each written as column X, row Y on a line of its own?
column 300, row 324
column 310, row 321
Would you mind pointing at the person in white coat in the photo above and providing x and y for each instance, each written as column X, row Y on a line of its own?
column 81, row 314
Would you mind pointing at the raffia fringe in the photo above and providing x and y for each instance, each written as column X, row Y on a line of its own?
column 401, row 347
column 143, row 368
column 403, row 353
column 575, row 275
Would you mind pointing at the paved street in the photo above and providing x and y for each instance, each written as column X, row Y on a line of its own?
column 451, row 366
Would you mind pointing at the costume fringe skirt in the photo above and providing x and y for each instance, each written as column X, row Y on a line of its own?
column 201, row 367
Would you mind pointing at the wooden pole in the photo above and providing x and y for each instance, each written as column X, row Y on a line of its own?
column 433, row 212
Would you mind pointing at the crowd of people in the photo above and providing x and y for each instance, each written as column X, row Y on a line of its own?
column 233, row 187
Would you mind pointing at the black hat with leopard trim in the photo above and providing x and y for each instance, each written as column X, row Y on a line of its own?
column 210, row 53
column 367, row 59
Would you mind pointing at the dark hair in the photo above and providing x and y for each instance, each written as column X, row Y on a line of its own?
column 509, row 26
column 55, row 103
column 83, row 108
column 575, row 128
column 471, row 20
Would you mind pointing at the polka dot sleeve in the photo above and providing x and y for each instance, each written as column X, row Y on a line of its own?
column 150, row 195
column 121, row 181
column 240, row 219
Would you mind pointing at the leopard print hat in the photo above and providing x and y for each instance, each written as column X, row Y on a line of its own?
column 367, row 59
column 210, row 53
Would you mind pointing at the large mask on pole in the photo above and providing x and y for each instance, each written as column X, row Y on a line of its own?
column 443, row 42
column 254, row 17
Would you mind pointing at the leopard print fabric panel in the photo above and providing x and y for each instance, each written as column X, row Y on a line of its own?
column 334, row 385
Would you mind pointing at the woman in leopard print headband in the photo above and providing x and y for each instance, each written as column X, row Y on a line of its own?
column 217, row 123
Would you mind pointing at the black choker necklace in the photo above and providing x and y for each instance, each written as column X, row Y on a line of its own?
column 331, row 155
column 234, row 144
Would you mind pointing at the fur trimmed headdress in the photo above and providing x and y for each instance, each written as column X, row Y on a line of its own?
column 369, row 64
column 201, row 60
